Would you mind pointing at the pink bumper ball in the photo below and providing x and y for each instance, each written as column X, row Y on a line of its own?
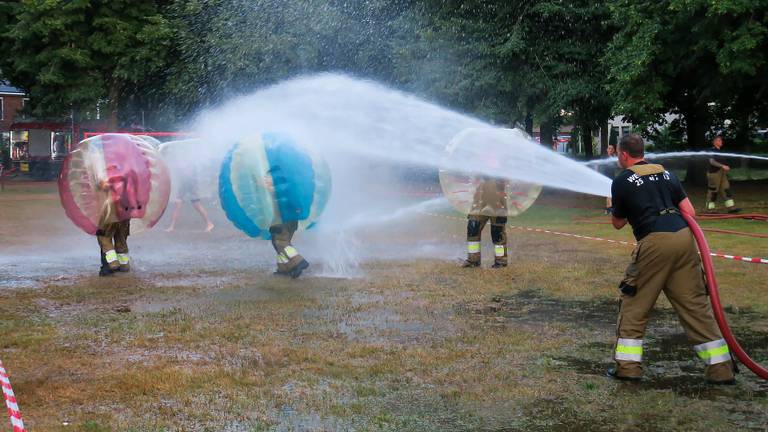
column 111, row 178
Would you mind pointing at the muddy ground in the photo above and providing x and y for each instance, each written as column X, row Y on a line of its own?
column 201, row 336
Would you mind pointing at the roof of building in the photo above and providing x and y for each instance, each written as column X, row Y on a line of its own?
column 6, row 88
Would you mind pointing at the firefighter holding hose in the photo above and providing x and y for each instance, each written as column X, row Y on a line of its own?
column 666, row 259
column 717, row 180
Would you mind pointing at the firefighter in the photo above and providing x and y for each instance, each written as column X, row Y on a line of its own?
column 489, row 199
column 113, row 241
column 717, row 180
column 289, row 261
column 665, row 259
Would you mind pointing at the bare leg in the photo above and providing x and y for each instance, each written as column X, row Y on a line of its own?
column 200, row 209
column 174, row 216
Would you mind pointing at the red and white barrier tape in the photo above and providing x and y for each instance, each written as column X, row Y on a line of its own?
column 741, row 258
column 10, row 401
column 540, row 230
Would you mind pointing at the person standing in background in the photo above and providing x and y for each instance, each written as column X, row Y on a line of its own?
column 717, row 180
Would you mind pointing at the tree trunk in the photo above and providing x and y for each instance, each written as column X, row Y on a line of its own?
column 114, row 99
column 604, row 131
column 696, row 129
column 586, row 140
column 529, row 124
column 545, row 132
column 743, row 139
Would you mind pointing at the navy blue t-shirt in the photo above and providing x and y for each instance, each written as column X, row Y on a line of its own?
column 712, row 168
column 642, row 200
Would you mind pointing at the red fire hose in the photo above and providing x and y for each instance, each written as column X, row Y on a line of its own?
column 717, row 307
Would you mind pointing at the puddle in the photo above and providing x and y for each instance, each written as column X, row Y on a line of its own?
column 381, row 325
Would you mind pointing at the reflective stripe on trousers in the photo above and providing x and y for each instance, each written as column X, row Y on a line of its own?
column 291, row 252
column 713, row 352
column 123, row 258
column 629, row 349
column 110, row 256
column 499, row 249
column 473, row 247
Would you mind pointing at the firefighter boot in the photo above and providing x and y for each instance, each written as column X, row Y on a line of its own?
column 300, row 267
column 470, row 264
column 499, row 237
column 124, row 260
column 104, row 270
column 613, row 374
column 720, row 373
column 475, row 226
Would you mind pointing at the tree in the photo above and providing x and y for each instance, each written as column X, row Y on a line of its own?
column 688, row 57
column 81, row 53
column 229, row 47
column 518, row 62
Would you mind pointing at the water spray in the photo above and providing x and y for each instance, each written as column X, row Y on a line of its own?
column 717, row 307
column 677, row 155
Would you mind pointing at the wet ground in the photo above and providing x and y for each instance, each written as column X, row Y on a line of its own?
column 202, row 336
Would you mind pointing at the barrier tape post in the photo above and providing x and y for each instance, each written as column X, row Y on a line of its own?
column 10, row 401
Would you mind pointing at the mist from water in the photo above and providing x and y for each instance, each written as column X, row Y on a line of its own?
column 338, row 114
column 381, row 145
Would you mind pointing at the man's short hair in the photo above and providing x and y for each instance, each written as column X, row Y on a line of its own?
column 633, row 145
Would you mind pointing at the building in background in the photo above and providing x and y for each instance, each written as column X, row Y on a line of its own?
column 12, row 101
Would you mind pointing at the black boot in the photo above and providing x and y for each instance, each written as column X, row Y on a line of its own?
column 300, row 267
column 105, row 270
column 470, row 264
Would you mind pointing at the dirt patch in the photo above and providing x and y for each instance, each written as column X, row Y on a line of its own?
column 531, row 306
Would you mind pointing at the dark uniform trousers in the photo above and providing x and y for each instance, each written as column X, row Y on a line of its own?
column 669, row 262
column 287, row 256
column 113, row 240
column 718, row 185
column 475, row 225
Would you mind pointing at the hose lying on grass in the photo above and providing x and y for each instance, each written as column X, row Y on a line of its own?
column 717, row 307
column 720, row 216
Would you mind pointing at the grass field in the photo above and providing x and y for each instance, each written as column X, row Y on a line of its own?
column 202, row 337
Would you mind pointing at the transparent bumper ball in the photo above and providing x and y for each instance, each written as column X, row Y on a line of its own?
column 477, row 192
column 114, row 177
column 269, row 179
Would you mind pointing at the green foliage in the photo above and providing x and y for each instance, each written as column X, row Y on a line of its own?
column 510, row 61
column 81, row 53
column 513, row 62
column 686, row 56
column 668, row 137
column 226, row 47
